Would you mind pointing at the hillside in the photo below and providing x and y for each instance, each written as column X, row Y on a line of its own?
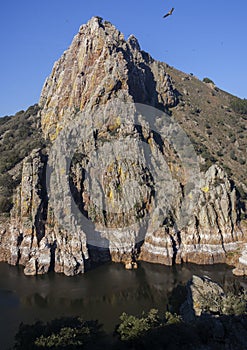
column 218, row 133
column 19, row 135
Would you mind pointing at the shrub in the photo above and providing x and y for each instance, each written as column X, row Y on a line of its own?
column 67, row 336
column 220, row 153
column 5, row 204
column 234, row 304
column 207, row 80
column 227, row 304
column 242, row 161
column 233, row 138
column 132, row 327
column 196, row 110
column 172, row 318
column 232, row 155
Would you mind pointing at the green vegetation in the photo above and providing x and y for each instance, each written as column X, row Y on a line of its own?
column 75, row 333
column 19, row 135
column 239, row 105
column 144, row 333
column 228, row 304
column 207, row 80
column 223, row 320
column 132, row 327
column 64, row 333
column 232, row 155
column 6, row 187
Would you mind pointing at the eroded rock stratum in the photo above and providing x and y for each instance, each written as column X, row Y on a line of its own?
column 119, row 181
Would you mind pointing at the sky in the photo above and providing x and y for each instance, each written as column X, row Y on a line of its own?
column 206, row 38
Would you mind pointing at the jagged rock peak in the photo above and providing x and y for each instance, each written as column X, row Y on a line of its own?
column 133, row 42
column 98, row 66
column 97, row 23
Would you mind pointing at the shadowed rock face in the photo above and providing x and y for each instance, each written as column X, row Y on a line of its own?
column 106, row 177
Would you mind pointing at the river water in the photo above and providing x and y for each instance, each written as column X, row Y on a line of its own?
column 102, row 293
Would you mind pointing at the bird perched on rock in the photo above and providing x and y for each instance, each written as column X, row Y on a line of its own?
column 169, row 13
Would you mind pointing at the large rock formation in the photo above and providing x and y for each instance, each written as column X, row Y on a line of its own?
column 203, row 296
column 98, row 66
column 120, row 181
column 206, row 297
column 219, row 316
column 33, row 238
column 210, row 234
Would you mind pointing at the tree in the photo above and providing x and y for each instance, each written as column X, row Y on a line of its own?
column 132, row 327
column 207, row 80
column 63, row 333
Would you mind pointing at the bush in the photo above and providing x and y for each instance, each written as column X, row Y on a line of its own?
column 5, row 204
column 232, row 155
column 227, row 304
column 172, row 318
column 220, row 153
column 132, row 327
column 67, row 336
column 234, row 304
column 196, row 110
column 207, row 80
column 242, row 161
column 6, row 183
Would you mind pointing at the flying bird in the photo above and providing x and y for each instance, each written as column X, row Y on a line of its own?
column 169, row 13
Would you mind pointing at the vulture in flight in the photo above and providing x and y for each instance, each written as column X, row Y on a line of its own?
column 169, row 13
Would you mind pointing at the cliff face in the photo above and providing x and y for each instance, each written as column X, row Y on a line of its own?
column 120, row 181
column 211, row 233
column 98, row 66
column 33, row 238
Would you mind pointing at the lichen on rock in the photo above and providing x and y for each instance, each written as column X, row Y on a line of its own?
column 126, row 176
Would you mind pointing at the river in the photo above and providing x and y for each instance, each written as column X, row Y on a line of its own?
column 102, row 293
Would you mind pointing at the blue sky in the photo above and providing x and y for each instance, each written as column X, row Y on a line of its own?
column 206, row 38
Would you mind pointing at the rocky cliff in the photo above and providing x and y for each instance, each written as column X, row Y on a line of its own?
column 121, row 179
column 222, row 313
column 98, row 66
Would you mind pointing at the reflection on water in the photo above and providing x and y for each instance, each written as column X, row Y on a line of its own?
column 103, row 293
